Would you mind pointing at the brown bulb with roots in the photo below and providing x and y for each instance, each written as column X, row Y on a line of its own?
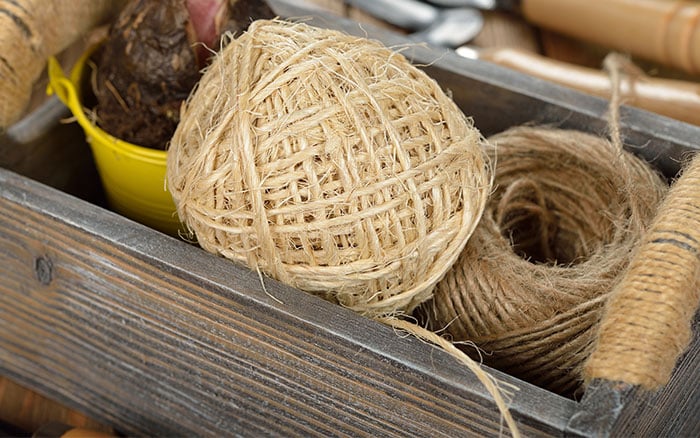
column 153, row 57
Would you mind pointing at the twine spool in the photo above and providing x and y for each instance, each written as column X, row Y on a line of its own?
column 557, row 233
column 647, row 321
column 330, row 163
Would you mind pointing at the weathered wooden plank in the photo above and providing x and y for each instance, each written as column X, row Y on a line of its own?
column 600, row 409
column 151, row 335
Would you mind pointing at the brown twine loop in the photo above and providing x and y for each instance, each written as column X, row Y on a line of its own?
column 555, row 237
column 542, row 320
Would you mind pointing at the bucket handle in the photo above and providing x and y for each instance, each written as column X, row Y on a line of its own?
column 65, row 90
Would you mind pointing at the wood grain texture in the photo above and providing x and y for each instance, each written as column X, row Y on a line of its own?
column 151, row 335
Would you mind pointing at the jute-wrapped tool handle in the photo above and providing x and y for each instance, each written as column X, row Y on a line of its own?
column 661, row 31
column 647, row 323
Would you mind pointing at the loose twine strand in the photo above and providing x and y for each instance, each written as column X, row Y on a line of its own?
column 495, row 388
column 612, row 64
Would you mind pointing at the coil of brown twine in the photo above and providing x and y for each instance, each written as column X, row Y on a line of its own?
column 330, row 163
column 567, row 210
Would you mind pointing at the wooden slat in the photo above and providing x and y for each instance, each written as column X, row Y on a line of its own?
column 152, row 335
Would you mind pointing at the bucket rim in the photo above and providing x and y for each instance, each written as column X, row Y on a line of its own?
column 67, row 90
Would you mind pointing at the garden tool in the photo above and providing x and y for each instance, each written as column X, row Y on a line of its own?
column 661, row 31
column 673, row 98
column 447, row 27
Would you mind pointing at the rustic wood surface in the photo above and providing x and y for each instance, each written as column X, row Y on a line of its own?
column 151, row 335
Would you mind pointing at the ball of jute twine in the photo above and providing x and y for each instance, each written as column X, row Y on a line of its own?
column 567, row 211
column 332, row 164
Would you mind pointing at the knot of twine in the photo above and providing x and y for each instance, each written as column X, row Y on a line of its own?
column 330, row 163
column 567, row 210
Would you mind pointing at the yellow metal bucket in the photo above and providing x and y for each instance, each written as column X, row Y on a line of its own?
column 133, row 176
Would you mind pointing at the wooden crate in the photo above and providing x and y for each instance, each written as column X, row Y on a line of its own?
column 152, row 336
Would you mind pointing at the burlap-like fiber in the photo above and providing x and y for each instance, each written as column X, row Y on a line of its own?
column 647, row 320
column 529, row 288
column 330, row 163
column 30, row 32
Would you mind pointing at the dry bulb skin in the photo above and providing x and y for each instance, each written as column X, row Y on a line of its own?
column 152, row 59
column 558, row 232
column 330, row 163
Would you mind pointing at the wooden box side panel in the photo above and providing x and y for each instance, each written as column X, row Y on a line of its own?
column 150, row 335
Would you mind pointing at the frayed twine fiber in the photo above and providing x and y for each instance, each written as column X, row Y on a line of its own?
column 567, row 211
column 495, row 387
column 330, row 163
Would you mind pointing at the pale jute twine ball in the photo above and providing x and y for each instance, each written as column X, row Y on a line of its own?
column 567, row 211
column 330, row 163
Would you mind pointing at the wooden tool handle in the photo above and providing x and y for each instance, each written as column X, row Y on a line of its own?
column 673, row 98
column 663, row 31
